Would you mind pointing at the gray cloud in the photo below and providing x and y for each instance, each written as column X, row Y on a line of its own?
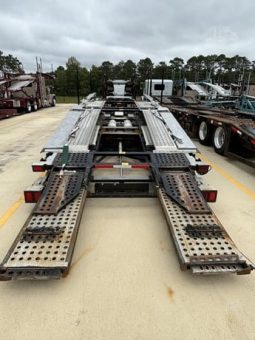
column 95, row 30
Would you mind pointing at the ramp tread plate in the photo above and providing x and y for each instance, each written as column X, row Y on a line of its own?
column 59, row 192
column 75, row 160
column 171, row 160
column 45, row 256
column 218, row 253
column 182, row 187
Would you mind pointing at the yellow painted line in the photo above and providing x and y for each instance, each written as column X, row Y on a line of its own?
column 228, row 177
column 10, row 211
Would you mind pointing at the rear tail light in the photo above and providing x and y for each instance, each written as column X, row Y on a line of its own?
column 28, row 195
column 36, row 195
column 32, row 196
column 33, row 193
column 203, row 169
column 38, row 167
column 210, row 195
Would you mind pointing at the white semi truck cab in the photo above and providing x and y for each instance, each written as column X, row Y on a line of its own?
column 154, row 87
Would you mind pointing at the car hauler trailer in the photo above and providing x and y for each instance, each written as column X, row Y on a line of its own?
column 230, row 131
column 119, row 147
column 24, row 93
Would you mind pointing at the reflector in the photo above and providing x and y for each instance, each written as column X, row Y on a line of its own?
column 203, row 169
column 210, row 195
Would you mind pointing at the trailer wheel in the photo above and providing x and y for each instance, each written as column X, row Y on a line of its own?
column 205, row 133
column 35, row 107
column 221, row 139
column 28, row 108
column 53, row 103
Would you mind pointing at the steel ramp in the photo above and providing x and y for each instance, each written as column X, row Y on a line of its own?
column 183, row 189
column 44, row 247
column 201, row 242
column 61, row 189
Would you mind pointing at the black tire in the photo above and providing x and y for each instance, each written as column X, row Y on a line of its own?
column 221, row 139
column 35, row 107
column 205, row 133
column 28, row 108
column 53, row 103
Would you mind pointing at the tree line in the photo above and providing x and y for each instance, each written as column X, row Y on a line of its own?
column 218, row 69
column 73, row 77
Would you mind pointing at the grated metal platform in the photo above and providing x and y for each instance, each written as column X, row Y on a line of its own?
column 171, row 160
column 202, row 252
column 75, row 160
column 44, row 247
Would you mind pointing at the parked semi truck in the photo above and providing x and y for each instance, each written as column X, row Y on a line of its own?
column 24, row 93
column 230, row 131
column 154, row 87
column 119, row 147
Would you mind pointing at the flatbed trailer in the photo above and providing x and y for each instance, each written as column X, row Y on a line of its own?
column 231, row 132
column 119, row 147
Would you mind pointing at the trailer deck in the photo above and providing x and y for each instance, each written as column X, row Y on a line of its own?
column 239, row 128
column 126, row 272
column 107, row 136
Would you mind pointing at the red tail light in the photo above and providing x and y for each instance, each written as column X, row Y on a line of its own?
column 37, row 195
column 38, row 168
column 210, row 195
column 32, row 196
column 28, row 195
column 202, row 169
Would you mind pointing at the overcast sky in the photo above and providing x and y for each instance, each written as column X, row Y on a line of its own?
column 98, row 30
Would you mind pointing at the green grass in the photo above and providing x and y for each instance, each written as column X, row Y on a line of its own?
column 66, row 99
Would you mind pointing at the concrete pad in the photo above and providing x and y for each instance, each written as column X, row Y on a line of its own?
column 125, row 281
